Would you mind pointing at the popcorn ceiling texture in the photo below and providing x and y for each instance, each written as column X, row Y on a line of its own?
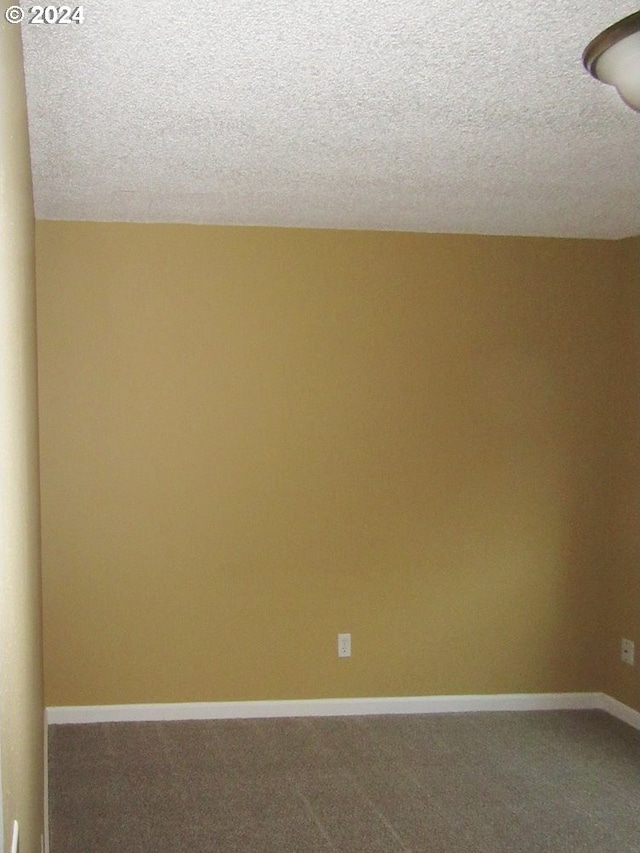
column 468, row 117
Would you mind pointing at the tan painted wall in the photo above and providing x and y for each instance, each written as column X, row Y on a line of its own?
column 21, row 694
column 252, row 439
column 621, row 570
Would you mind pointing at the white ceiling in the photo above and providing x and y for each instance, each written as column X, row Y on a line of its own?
column 470, row 116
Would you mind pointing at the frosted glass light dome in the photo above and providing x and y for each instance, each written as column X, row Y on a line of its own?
column 614, row 58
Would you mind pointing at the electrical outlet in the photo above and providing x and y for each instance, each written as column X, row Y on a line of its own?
column 344, row 645
column 627, row 652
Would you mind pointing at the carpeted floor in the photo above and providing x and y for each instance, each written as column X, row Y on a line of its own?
column 567, row 782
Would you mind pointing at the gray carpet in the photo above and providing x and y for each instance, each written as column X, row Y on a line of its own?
column 512, row 782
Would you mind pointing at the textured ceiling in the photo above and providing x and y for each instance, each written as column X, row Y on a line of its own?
column 468, row 117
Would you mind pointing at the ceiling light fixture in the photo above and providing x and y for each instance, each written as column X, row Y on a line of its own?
column 614, row 57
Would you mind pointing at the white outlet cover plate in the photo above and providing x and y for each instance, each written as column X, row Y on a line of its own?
column 627, row 653
column 344, row 645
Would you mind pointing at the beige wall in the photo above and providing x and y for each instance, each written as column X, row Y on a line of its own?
column 621, row 568
column 252, row 439
column 21, row 699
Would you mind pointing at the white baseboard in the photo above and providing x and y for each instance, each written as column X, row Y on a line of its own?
column 620, row 710
column 342, row 707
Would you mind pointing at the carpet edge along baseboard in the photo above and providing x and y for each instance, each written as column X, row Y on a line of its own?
column 62, row 715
